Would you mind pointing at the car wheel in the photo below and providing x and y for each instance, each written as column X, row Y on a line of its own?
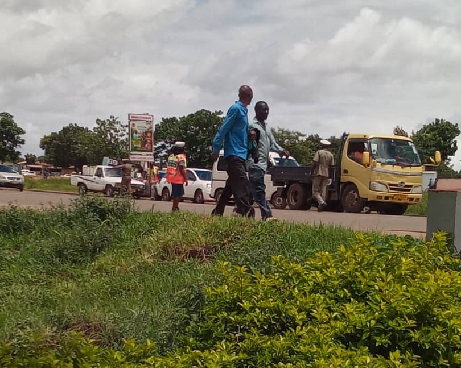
column 351, row 200
column 21, row 189
column 109, row 191
column 218, row 195
column 82, row 189
column 198, row 196
column 166, row 195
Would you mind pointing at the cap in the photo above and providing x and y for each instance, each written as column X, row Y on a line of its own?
column 325, row 142
column 179, row 144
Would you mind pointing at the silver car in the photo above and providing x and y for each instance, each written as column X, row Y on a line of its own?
column 10, row 178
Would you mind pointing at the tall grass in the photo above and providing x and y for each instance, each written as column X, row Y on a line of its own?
column 420, row 208
column 52, row 184
column 100, row 268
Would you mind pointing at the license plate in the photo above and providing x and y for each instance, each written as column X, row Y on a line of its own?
column 400, row 197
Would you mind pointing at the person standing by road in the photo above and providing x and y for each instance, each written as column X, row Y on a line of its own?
column 322, row 161
column 125, row 186
column 257, row 168
column 234, row 134
column 176, row 173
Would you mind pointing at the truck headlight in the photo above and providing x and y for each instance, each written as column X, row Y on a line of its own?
column 378, row 187
column 418, row 189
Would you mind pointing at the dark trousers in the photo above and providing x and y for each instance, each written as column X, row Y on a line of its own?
column 237, row 184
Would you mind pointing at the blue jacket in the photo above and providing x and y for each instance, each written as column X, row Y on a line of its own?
column 233, row 132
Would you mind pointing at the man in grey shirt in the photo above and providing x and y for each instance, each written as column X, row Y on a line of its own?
column 257, row 168
column 323, row 159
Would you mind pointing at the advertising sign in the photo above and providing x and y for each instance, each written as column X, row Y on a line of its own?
column 141, row 133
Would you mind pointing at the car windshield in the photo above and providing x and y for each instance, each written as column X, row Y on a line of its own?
column 204, row 175
column 8, row 169
column 114, row 172
column 393, row 151
column 285, row 161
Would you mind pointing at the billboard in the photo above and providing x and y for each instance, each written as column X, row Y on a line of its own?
column 141, row 134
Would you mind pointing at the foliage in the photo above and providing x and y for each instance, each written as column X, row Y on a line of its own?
column 398, row 130
column 439, row 135
column 110, row 140
column 10, row 138
column 197, row 130
column 59, row 184
column 30, row 158
column 68, row 147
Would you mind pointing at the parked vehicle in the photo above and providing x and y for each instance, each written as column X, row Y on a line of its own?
column 387, row 178
column 27, row 172
column 198, row 186
column 9, row 178
column 272, row 195
column 104, row 179
column 156, row 192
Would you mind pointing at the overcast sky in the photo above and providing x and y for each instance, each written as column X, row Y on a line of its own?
column 323, row 66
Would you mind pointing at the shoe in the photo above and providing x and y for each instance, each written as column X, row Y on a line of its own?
column 321, row 207
column 214, row 213
column 176, row 209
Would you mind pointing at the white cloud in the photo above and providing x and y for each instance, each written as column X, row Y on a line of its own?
column 323, row 67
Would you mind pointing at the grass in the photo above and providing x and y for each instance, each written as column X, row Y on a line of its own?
column 100, row 268
column 52, row 184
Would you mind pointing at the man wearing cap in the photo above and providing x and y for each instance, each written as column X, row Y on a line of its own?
column 323, row 159
column 234, row 134
column 176, row 173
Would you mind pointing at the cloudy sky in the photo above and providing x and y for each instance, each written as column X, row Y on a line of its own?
column 323, row 66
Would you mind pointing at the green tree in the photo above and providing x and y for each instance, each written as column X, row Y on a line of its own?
column 68, row 147
column 398, row 130
column 110, row 139
column 30, row 158
column 439, row 135
column 197, row 130
column 10, row 138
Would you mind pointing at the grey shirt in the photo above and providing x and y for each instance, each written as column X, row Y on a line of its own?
column 266, row 144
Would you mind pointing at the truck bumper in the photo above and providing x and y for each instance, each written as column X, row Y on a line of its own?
column 404, row 198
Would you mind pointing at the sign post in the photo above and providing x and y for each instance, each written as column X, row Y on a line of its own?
column 141, row 133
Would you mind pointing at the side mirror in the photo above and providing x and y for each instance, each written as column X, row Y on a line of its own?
column 366, row 158
column 438, row 157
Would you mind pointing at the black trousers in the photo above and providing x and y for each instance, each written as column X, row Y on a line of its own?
column 237, row 184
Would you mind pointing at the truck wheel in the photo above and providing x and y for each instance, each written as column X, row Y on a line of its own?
column 296, row 197
column 218, row 195
column 109, row 191
column 396, row 209
column 278, row 201
column 166, row 195
column 198, row 196
column 82, row 189
column 351, row 200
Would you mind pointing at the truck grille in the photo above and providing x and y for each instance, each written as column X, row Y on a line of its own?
column 400, row 189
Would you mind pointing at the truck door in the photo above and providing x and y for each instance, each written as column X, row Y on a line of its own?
column 352, row 168
column 99, row 179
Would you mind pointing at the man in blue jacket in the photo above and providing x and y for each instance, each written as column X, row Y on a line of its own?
column 234, row 134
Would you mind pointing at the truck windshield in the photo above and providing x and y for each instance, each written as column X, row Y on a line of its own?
column 114, row 172
column 392, row 151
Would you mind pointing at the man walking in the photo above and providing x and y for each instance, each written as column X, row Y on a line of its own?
column 234, row 134
column 322, row 161
column 125, row 186
column 176, row 173
column 257, row 168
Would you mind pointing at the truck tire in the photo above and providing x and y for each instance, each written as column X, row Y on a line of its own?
column 109, row 191
column 82, row 189
column 350, row 199
column 166, row 196
column 297, row 196
column 278, row 201
column 198, row 196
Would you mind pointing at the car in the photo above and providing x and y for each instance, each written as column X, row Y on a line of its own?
column 27, row 172
column 155, row 188
column 198, row 187
column 9, row 178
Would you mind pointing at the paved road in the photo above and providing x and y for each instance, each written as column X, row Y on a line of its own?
column 401, row 225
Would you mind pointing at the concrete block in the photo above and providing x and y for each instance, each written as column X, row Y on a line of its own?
column 444, row 214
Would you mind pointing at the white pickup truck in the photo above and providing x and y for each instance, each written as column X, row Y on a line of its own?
column 104, row 179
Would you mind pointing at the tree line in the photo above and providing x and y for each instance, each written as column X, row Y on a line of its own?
column 76, row 146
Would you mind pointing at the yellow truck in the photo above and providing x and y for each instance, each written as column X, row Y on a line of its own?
column 372, row 172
